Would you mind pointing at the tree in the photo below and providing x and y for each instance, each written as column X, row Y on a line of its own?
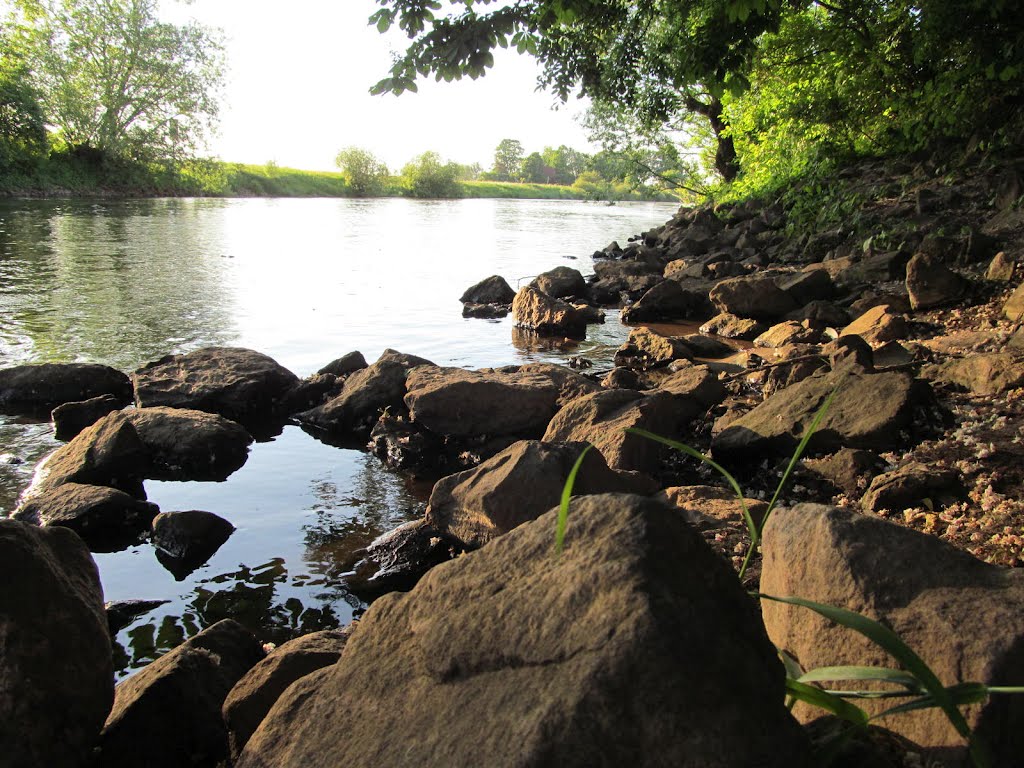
column 533, row 170
column 22, row 123
column 508, row 159
column 428, row 176
column 364, row 173
column 117, row 81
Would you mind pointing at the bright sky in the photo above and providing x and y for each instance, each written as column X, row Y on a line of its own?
column 298, row 81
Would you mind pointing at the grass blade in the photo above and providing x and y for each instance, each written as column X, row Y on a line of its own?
column 563, row 507
column 881, row 674
column 961, row 694
column 810, row 694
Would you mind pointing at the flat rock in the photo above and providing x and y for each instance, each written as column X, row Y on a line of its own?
column 56, row 672
column 71, row 418
column 186, row 444
column 914, row 485
column 985, row 374
column 878, row 325
column 930, row 283
column 754, row 297
column 240, row 384
column 517, row 485
column 708, row 347
column 708, row 506
column 454, row 401
column 636, row 642
column 603, row 417
column 732, row 326
column 31, row 389
column 868, row 412
column 259, row 688
column 491, row 290
column 536, row 311
column 104, row 517
column 645, row 348
column 787, row 332
column 168, row 715
column 570, row 384
column 963, row 617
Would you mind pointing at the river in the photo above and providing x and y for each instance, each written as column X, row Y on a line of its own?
column 304, row 281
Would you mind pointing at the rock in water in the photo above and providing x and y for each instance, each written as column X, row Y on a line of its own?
column 56, row 673
column 490, row 290
column 34, row 388
column 547, row 316
column 186, row 444
column 635, row 645
column 71, row 418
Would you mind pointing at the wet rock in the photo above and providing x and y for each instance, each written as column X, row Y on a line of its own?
column 869, row 412
column 490, row 290
column 755, row 297
column 71, row 418
column 930, row 283
column 56, row 673
column 33, row 389
column 184, row 444
column 1013, row 309
column 878, row 325
column 983, row 374
column 454, row 401
column 486, row 311
column 547, row 316
column 963, row 617
column 110, row 452
column 239, row 384
column 168, row 715
column 808, row 286
column 787, row 332
column 344, row 365
column 255, row 693
column 365, row 396
column 561, row 282
column 709, row 506
column 517, row 485
column 636, row 641
column 396, row 560
column 121, row 613
column 188, row 539
column 646, row 349
column 1001, row 268
column 105, row 518
column 665, row 301
column 733, row 327
column 849, row 469
column 911, row 486
column 603, row 417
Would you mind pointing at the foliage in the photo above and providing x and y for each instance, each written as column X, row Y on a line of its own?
column 427, row 176
column 365, row 175
column 508, row 159
column 22, row 123
column 116, row 81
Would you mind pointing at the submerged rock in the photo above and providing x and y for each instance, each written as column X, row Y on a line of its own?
column 396, row 560
column 56, row 672
column 636, row 642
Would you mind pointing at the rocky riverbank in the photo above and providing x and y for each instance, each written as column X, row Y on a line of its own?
column 638, row 642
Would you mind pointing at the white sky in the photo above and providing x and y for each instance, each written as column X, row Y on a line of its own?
column 297, row 91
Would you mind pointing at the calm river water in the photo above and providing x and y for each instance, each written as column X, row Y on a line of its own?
column 305, row 281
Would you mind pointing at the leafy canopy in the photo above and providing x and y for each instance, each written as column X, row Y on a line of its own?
column 364, row 173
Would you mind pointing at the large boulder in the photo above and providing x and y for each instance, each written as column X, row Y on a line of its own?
column 366, row 394
column 56, row 672
column 867, row 412
column 536, row 311
column 454, row 401
column 243, row 385
column 490, row 290
column 186, row 444
column 963, row 617
column 635, row 644
column 110, row 452
column 39, row 388
column 104, row 517
column 603, row 417
column 561, row 282
column 696, row 383
column 570, row 384
column 930, row 283
column 517, row 485
column 757, row 297
column 253, row 696
column 168, row 715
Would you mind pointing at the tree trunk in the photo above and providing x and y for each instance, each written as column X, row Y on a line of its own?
column 727, row 162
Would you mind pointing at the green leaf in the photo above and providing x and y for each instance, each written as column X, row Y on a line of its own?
column 563, row 507
column 815, row 696
column 881, row 674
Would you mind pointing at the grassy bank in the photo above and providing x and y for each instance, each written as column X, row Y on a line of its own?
column 62, row 175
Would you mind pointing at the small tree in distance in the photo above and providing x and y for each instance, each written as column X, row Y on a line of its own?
column 428, row 176
column 365, row 175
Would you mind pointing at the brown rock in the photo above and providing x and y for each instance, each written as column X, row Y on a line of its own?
column 561, row 282
column 71, row 418
column 517, row 485
column 168, row 715
column 490, row 290
column 877, row 326
column 103, row 517
column 930, row 283
column 1001, row 268
column 697, row 382
column 185, row 444
column 757, row 297
column 1013, row 309
column 637, row 643
column 733, row 327
column 536, row 311
column 664, row 301
column 986, row 374
column 848, row 469
column 603, row 417
column 708, row 506
column 253, row 696
column 56, row 673
column 788, row 332
column 39, row 388
column 646, row 348
column 963, row 617
column 914, row 485
column 188, row 538
column 346, row 364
